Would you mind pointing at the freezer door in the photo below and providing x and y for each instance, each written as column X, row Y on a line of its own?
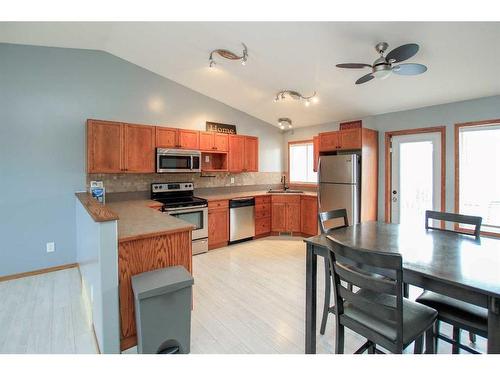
column 339, row 168
column 336, row 196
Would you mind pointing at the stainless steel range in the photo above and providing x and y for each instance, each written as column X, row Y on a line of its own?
column 179, row 201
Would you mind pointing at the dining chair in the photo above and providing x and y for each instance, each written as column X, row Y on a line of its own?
column 461, row 315
column 326, row 218
column 377, row 310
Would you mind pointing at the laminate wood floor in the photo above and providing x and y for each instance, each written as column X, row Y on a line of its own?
column 248, row 298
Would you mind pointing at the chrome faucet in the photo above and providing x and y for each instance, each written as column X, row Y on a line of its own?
column 283, row 181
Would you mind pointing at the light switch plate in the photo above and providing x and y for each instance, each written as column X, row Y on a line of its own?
column 232, row 180
column 51, row 247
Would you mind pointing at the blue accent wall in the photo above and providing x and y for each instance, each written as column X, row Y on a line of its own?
column 46, row 95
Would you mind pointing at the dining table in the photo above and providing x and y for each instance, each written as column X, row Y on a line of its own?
column 446, row 262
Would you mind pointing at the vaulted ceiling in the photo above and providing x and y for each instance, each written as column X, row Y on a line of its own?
column 463, row 59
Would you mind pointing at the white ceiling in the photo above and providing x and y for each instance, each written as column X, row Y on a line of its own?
column 463, row 59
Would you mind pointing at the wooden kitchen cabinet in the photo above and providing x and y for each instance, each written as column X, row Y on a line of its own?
column 316, row 153
column 243, row 153
column 236, row 153
column 251, row 152
column 218, row 224
column 177, row 138
column 104, row 147
column 285, row 213
column 189, row 139
column 114, row 147
column 139, row 148
column 347, row 139
column 166, row 137
column 309, row 215
column 210, row 141
column 262, row 215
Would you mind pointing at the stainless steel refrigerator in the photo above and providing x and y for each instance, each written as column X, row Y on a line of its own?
column 339, row 186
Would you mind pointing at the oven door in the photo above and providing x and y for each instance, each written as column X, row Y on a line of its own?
column 170, row 162
column 197, row 216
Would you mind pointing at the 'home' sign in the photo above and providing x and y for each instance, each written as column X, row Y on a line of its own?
column 221, row 128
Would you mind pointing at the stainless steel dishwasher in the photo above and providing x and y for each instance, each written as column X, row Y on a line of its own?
column 241, row 219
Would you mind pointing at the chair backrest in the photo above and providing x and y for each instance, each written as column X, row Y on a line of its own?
column 378, row 272
column 454, row 218
column 330, row 215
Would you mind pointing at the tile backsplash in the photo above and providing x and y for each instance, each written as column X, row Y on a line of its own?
column 117, row 183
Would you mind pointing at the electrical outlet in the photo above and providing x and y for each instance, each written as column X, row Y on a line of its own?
column 51, row 247
column 207, row 159
column 232, row 180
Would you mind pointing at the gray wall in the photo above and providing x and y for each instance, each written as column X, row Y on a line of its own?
column 439, row 115
column 46, row 94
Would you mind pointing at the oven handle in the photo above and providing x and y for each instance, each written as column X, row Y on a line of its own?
column 184, row 210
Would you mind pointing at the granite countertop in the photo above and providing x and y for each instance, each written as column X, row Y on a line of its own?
column 137, row 219
column 240, row 194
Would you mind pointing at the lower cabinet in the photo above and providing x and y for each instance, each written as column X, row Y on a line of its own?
column 309, row 215
column 218, row 224
column 262, row 216
column 285, row 213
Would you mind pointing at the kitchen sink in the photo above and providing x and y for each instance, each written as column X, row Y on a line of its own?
column 288, row 191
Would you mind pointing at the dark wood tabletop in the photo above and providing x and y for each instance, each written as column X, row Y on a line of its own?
column 449, row 263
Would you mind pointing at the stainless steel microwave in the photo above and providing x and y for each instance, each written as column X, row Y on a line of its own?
column 174, row 160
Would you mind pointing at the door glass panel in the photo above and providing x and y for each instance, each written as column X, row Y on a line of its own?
column 195, row 218
column 416, row 182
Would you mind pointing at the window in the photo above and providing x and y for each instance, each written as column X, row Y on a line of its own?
column 479, row 173
column 301, row 160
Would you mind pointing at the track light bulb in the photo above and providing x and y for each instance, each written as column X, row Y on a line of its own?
column 289, row 126
column 308, row 103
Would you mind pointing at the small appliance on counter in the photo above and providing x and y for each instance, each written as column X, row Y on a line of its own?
column 179, row 201
column 98, row 191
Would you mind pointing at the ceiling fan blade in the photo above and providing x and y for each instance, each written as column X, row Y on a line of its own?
column 365, row 78
column 353, row 66
column 409, row 69
column 402, row 53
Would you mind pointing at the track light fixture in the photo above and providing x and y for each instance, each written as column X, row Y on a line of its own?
column 283, row 94
column 284, row 123
column 228, row 55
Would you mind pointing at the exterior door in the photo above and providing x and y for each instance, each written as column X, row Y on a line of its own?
column 416, row 177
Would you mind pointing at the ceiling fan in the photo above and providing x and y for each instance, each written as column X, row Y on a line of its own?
column 383, row 66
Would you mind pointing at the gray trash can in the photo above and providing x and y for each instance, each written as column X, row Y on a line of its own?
column 162, row 300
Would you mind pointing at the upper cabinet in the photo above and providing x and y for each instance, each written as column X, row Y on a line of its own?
column 177, row 138
column 315, row 152
column 347, row 139
column 114, row 147
column 139, row 148
column 243, row 153
column 210, row 141
column 104, row 147
column 251, row 152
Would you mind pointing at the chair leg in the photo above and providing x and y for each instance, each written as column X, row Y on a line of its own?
column 326, row 305
column 456, row 339
column 429, row 341
column 472, row 337
column 406, row 290
column 339, row 339
column 418, row 345
column 437, row 326
column 371, row 349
